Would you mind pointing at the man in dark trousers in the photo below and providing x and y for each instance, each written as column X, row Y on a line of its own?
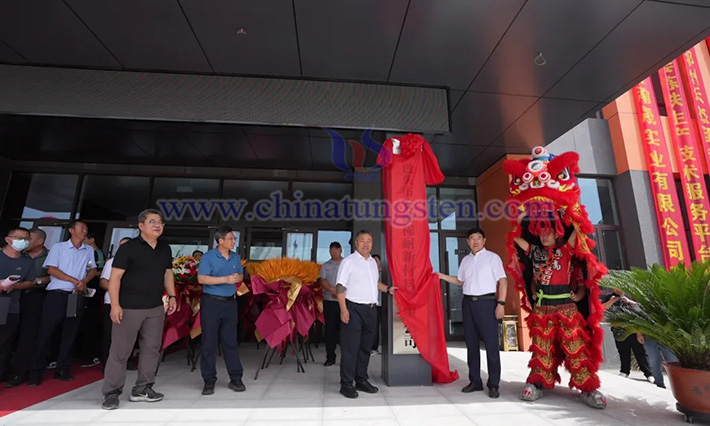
column 67, row 263
column 220, row 272
column 485, row 286
column 331, row 310
column 142, row 271
column 31, row 303
column 16, row 274
column 357, row 289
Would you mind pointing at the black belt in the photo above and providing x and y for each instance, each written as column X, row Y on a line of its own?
column 61, row 291
column 220, row 298
column 366, row 305
column 489, row 296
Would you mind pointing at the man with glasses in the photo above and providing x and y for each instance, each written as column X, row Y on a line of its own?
column 16, row 274
column 220, row 272
column 141, row 273
column 71, row 265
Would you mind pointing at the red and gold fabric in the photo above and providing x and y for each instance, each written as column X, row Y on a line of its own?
column 546, row 188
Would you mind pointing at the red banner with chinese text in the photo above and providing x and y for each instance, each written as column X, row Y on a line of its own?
column 698, row 99
column 683, row 137
column 405, row 176
column 665, row 197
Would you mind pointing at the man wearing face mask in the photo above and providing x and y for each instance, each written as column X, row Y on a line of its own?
column 31, row 304
column 16, row 274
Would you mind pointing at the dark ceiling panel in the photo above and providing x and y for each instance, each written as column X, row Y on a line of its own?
column 483, row 161
column 225, row 149
column 321, row 154
column 48, row 32
column 446, row 42
column 147, row 35
column 703, row 3
column 169, row 148
column 454, row 158
column 564, row 31
column 269, row 46
column 9, row 56
column 543, row 122
column 282, row 152
column 644, row 38
column 352, row 40
column 454, row 98
column 482, row 117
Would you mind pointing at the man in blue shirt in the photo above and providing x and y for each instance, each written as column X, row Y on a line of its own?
column 71, row 265
column 219, row 271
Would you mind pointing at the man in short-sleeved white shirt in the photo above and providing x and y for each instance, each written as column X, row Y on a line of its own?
column 485, row 285
column 357, row 289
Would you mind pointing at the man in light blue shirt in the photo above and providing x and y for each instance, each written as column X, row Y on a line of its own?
column 220, row 272
column 71, row 265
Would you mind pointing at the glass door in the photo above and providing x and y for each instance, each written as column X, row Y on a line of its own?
column 453, row 249
column 299, row 245
column 263, row 244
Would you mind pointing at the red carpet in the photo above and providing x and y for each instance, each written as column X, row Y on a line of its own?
column 15, row 399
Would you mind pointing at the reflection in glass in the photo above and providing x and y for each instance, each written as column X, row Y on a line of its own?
column 434, row 250
column 39, row 195
column 456, row 250
column 433, row 207
column 299, row 245
column 265, row 244
column 99, row 200
column 612, row 250
column 598, row 198
column 185, row 188
column 457, row 208
column 327, row 237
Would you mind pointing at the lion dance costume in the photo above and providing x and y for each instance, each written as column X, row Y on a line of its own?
column 562, row 330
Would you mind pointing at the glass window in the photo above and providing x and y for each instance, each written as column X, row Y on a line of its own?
column 179, row 189
column 299, row 245
column 612, row 249
column 327, row 237
column 117, row 234
column 457, row 208
column 598, row 198
column 317, row 202
column 432, row 207
column 434, row 250
column 252, row 191
column 265, row 244
column 113, row 197
column 39, row 195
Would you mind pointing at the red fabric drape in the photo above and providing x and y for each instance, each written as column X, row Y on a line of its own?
column 418, row 297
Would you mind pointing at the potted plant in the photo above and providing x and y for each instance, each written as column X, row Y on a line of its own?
column 674, row 310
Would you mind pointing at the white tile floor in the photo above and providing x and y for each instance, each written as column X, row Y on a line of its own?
column 283, row 395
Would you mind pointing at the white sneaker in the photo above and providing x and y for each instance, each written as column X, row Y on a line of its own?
column 624, row 375
column 52, row 364
column 651, row 379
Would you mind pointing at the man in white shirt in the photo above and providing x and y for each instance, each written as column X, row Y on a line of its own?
column 357, row 289
column 71, row 265
column 485, row 286
column 331, row 310
column 107, row 323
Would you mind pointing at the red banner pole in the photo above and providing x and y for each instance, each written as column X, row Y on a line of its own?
column 683, row 138
column 665, row 197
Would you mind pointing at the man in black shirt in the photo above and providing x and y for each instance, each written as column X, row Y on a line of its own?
column 16, row 274
column 140, row 274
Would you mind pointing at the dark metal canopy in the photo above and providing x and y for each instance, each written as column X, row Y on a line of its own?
column 503, row 97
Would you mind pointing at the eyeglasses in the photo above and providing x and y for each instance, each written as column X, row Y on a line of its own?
column 154, row 222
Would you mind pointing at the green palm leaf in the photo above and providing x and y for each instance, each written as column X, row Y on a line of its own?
column 674, row 309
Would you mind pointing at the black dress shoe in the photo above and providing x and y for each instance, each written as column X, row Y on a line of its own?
column 208, row 389
column 493, row 393
column 237, row 385
column 471, row 387
column 64, row 376
column 14, row 382
column 348, row 391
column 34, row 381
column 329, row 362
column 366, row 387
